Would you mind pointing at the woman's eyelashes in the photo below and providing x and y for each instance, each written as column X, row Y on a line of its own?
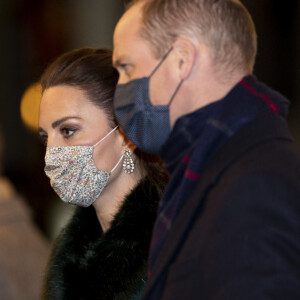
column 44, row 138
column 67, row 131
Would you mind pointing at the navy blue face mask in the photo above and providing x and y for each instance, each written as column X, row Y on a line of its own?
column 146, row 125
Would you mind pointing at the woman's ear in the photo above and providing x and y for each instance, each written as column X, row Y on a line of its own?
column 185, row 55
column 129, row 145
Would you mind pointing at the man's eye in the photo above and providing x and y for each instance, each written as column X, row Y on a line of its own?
column 125, row 68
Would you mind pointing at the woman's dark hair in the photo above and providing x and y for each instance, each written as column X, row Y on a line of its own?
column 88, row 69
column 91, row 70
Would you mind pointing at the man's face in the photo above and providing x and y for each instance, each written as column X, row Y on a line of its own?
column 131, row 54
column 133, row 58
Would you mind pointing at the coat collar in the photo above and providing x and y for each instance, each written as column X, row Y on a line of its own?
column 210, row 126
column 89, row 264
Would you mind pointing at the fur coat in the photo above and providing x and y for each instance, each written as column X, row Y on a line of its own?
column 88, row 264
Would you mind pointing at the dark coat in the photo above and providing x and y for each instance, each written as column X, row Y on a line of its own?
column 238, row 235
column 89, row 264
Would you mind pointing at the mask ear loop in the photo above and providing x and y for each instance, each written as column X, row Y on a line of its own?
column 106, row 136
column 162, row 60
column 175, row 92
column 159, row 64
column 117, row 164
column 103, row 139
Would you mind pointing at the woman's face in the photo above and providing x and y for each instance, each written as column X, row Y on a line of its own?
column 68, row 118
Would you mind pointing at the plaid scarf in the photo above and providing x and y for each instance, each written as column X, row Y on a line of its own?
column 196, row 138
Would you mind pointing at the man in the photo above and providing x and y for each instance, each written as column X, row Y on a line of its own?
column 228, row 224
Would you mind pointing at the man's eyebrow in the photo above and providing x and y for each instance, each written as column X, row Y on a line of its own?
column 58, row 122
column 117, row 63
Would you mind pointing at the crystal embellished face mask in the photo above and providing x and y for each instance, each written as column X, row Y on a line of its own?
column 74, row 175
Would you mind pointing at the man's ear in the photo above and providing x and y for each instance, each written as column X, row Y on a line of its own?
column 185, row 55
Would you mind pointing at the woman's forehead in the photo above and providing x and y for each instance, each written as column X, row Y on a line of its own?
column 61, row 101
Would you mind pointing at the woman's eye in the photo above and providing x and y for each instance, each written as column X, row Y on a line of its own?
column 44, row 139
column 67, row 132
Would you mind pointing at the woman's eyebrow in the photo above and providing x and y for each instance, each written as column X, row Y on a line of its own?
column 58, row 122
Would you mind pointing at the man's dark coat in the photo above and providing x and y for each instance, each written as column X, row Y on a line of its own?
column 238, row 235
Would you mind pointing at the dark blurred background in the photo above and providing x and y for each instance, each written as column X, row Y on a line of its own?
column 33, row 32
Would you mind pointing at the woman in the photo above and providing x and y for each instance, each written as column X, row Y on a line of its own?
column 102, row 252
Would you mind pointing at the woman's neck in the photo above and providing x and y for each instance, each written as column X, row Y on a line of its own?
column 113, row 196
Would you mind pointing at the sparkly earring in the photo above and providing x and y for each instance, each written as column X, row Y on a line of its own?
column 128, row 164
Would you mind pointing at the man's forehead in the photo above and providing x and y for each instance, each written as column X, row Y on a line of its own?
column 126, row 34
column 130, row 22
column 124, row 41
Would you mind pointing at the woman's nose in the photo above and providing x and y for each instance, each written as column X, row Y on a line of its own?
column 53, row 141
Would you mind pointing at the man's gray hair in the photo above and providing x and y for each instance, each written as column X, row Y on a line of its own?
column 224, row 25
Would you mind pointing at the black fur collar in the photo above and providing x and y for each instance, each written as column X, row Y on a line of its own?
column 87, row 264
